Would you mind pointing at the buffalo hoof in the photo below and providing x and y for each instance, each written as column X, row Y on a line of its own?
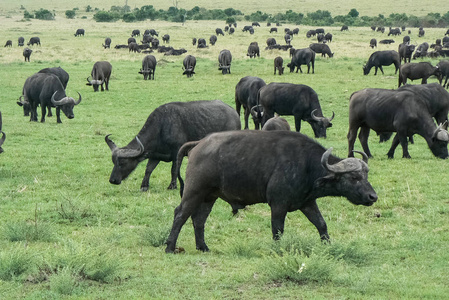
column 203, row 248
column 172, row 186
column 390, row 156
column 143, row 188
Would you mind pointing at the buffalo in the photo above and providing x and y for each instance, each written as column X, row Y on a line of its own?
column 276, row 123
column 201, row 43
column 278, row 62
column 394, row 31
column 131, row 40
column 231, row 30
column 167, row 128
column 248, row 28
column 79, row 32
column 295, row 31
column 373, row 43
column 189, row 64
column 405, row 52
column 321, row 48
column 193, row 41
column 21, row 41
column 301, row 171
column 246, row 95
column 421, row 32
column 213, row 39
column 380, row 29
column 153, row 32
column 255, row 24
column 8, row 43
column 2, row 140
column 148, row 67
column 382, row 58
column 386, row 42
column 219, row 31
column 288, row 38
column 154, row 43
column 46, row 90
column 271, row 42
column 107, row 43
column 407, row 110
column 344, row 28
column 224, row 61
column 443, row 65
column 421, row 70
column 101, row 72
column 175, row 51
column 133, row 47
column 421, row 50
column 328, row 37
column 135, row 32
column 310, row 33
column 146, row 39
column 166, row 38
column 34, row 40
column 273, row 29
column 253, row 50
column 298, row 100
column 27, row 53
column 305, row 56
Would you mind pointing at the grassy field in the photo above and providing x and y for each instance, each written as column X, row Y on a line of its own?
column 67, row 233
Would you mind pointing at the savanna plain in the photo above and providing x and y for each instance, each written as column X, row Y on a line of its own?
column 66, row 232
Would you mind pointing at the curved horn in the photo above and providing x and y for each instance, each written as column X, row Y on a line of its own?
column 129, row 153
column 343, row 166
column 312, row 114
column 440, row 133
column 88, row 78
column 79, row 99
column 63, row 101
column 110, row 143
column 333, row 115
column 365, row 157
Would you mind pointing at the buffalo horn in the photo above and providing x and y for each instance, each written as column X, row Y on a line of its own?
column 365, row 157
column 346, row 165
column 333, row 115
column 440, row 133
column 110, row 143
column 88, row 79
column 128, row 153
column 312, row 114
column 79, row 99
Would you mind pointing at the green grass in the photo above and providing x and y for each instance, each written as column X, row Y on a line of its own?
column 99, row 240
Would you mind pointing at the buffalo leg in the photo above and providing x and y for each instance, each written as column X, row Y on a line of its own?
column 375, row 70
column 278, row 213
column 151, row 165
column 308, row 68
column 404, row 143
column 49, row 114
column 174, row 174
column 58, row 114
column 298, row 68
column 246, row 116
column 199, row 219
column 352, row 135
column 312, row 212
column 102, row 88
column 363, row 137
column 298, row 123
column 44, row 112
column 382, row 70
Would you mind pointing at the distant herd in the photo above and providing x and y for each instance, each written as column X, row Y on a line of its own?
column 285, row 169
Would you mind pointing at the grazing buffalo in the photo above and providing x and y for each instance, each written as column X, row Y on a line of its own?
column 421, row 32
column 247, row 28
column 421, row 50
column 34, row 40
column 101, row 72
column 253, row 50
column 288, row 38
column 79, row 32
column 406, row 39
column 27, row 53
column 310, row 33
column 146, row 39
column 224, row 61
column 394, row 31
column 201, row 43
column 405, row 52
column 213, row 39
column 131, row 40
column 21, row 41
column 246, row 95
column 320, row 38
column 278, row 62
column 166, row 38
column 305, row 56
column 231, row 30
column 321, row 48
column 271, row 42
column 255, row 24
column 421, row 70
column 298, row 100
column 8, row 43
column 193, row 41
column 289, row 180
column 382, row 58
column 295, row 31
column 148, row 67
column 46, row 90
column 344, row 28
column 276, row 123
column 153, row 32
column 380, row 29
column 2, row 140
column 328, row 37
column 167, row 128
column 219, row 31
column 443, row 65
column 373, row 43
column 107, row 43
column 387, row 41
column 135, row 32
column 273, row 29
column 189, row 64
column 319, row 30
column 133, row 47
column 154, row 43
column 407, row 110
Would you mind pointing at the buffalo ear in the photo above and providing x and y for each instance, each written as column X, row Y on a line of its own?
column 322, row 181
column 19, row 103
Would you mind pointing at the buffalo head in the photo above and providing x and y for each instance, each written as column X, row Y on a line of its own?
column 439, row 141
column 94, row 83
column 125, row 159
column 257, row 115
column 66, row 104
column 320, row 124
column 26, row 106
column 348, row 178
column 146, row 73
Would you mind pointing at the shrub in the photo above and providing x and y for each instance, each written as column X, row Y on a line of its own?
column 44, row 14
column 28, row 15
column 70, row 14
column 63, row 281
column 104, row 16
column 155, row 235
column 14, row 263
column 22, row 231
column 129, row 17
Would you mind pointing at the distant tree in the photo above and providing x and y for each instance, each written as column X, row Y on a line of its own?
column 353, row 13
column 70, row 14
column 44, row 14
column 88, row 8
column 28, row 15
column 230, row 20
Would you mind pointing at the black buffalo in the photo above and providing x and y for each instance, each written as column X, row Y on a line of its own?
column 405, row 52
column 166, row 38
column 310, row 33
column 135, row 32
column 213, row 39
column 167, row 128
column 153, row 32
column 107, row 43
column 305, row 56
column 380, row 29
column 176, row 52
column 344, row 28
column 278, row 62
column 382, row 58
column 271, row 42
column 21, row 41
column 79, row 32
column 387, row 41
column 373, row 43
column 193, row 41
column 443, row 65
column 276, row 123
column 328, row 37
column 34, row 40
column 2, row 140
column 46, row 90
column 298, row 100
column 248, row 28
column 406, row 39
column 131, row 40
column 394, row 31
column 407, row 110
column 319, row 30
column 246, row 95
column 321, row 48
column 133, row 47
column 8, row 43
column 154, row 43
column 253, row 50
column 288, row 181
column 219, row 31
column 101, row 72
column 288, row 38
column 273, row 29
column 201, row 43
column 421, row 32
column 421, row 50
column 148, row 67
column 231, row 30
column 255, row 24
column 27, row 53
column 421, row 70
column 224, row 61
column 189, row 64
column 295, row 31
column 146, row 39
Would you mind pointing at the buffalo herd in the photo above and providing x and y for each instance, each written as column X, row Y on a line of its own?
column 293, row 170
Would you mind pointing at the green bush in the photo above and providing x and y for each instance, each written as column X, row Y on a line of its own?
column 30, row 232
column 44, row 14
column 14, row 263
column 129, row 17
column 104, row 16
column 63, row 281
column 70, row 14
column 28, row 15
